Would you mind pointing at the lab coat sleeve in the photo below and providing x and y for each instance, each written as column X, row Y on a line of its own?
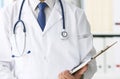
column 5, row 48
column 91, row 66
column 86, row 44
column 5, row 71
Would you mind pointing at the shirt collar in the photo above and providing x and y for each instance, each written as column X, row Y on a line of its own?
column 34, row 3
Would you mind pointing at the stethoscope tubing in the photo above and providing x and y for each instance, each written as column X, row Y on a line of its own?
column 23, row 24
column 63, row 16
column 21, row 8
column 64, row 34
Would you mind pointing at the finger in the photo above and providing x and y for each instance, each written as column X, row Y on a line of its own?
column 81, row 71
column 61, row 76
column 67, row 75
column 84, row 69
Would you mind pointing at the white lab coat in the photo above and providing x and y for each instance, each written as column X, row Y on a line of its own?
column 49, row 55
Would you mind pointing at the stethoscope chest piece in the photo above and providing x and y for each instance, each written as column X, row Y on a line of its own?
column 64, row 35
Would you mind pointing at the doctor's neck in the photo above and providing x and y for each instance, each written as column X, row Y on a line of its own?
column 42, row 0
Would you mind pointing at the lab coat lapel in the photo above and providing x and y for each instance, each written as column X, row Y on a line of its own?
column 30, row 19
column 54, row 18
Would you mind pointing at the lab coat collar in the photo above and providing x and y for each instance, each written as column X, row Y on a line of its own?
column 53, row 19
column 34, row 3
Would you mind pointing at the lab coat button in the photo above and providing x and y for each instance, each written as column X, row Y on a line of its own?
column 45, row 59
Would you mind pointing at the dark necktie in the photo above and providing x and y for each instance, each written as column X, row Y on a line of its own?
column 41, row 15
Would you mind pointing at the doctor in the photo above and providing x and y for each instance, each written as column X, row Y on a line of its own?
column 32, row 47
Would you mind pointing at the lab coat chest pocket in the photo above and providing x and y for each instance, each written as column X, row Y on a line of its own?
column 85, row 44
column 83, row 36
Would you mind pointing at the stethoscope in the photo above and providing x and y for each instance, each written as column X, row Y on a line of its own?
column 63, row 35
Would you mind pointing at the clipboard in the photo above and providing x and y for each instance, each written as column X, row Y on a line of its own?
column 75, row 69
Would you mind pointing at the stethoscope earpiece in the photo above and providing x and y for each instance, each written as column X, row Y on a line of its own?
column 13, row 56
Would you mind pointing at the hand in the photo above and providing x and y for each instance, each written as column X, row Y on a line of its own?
column 67, row 75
